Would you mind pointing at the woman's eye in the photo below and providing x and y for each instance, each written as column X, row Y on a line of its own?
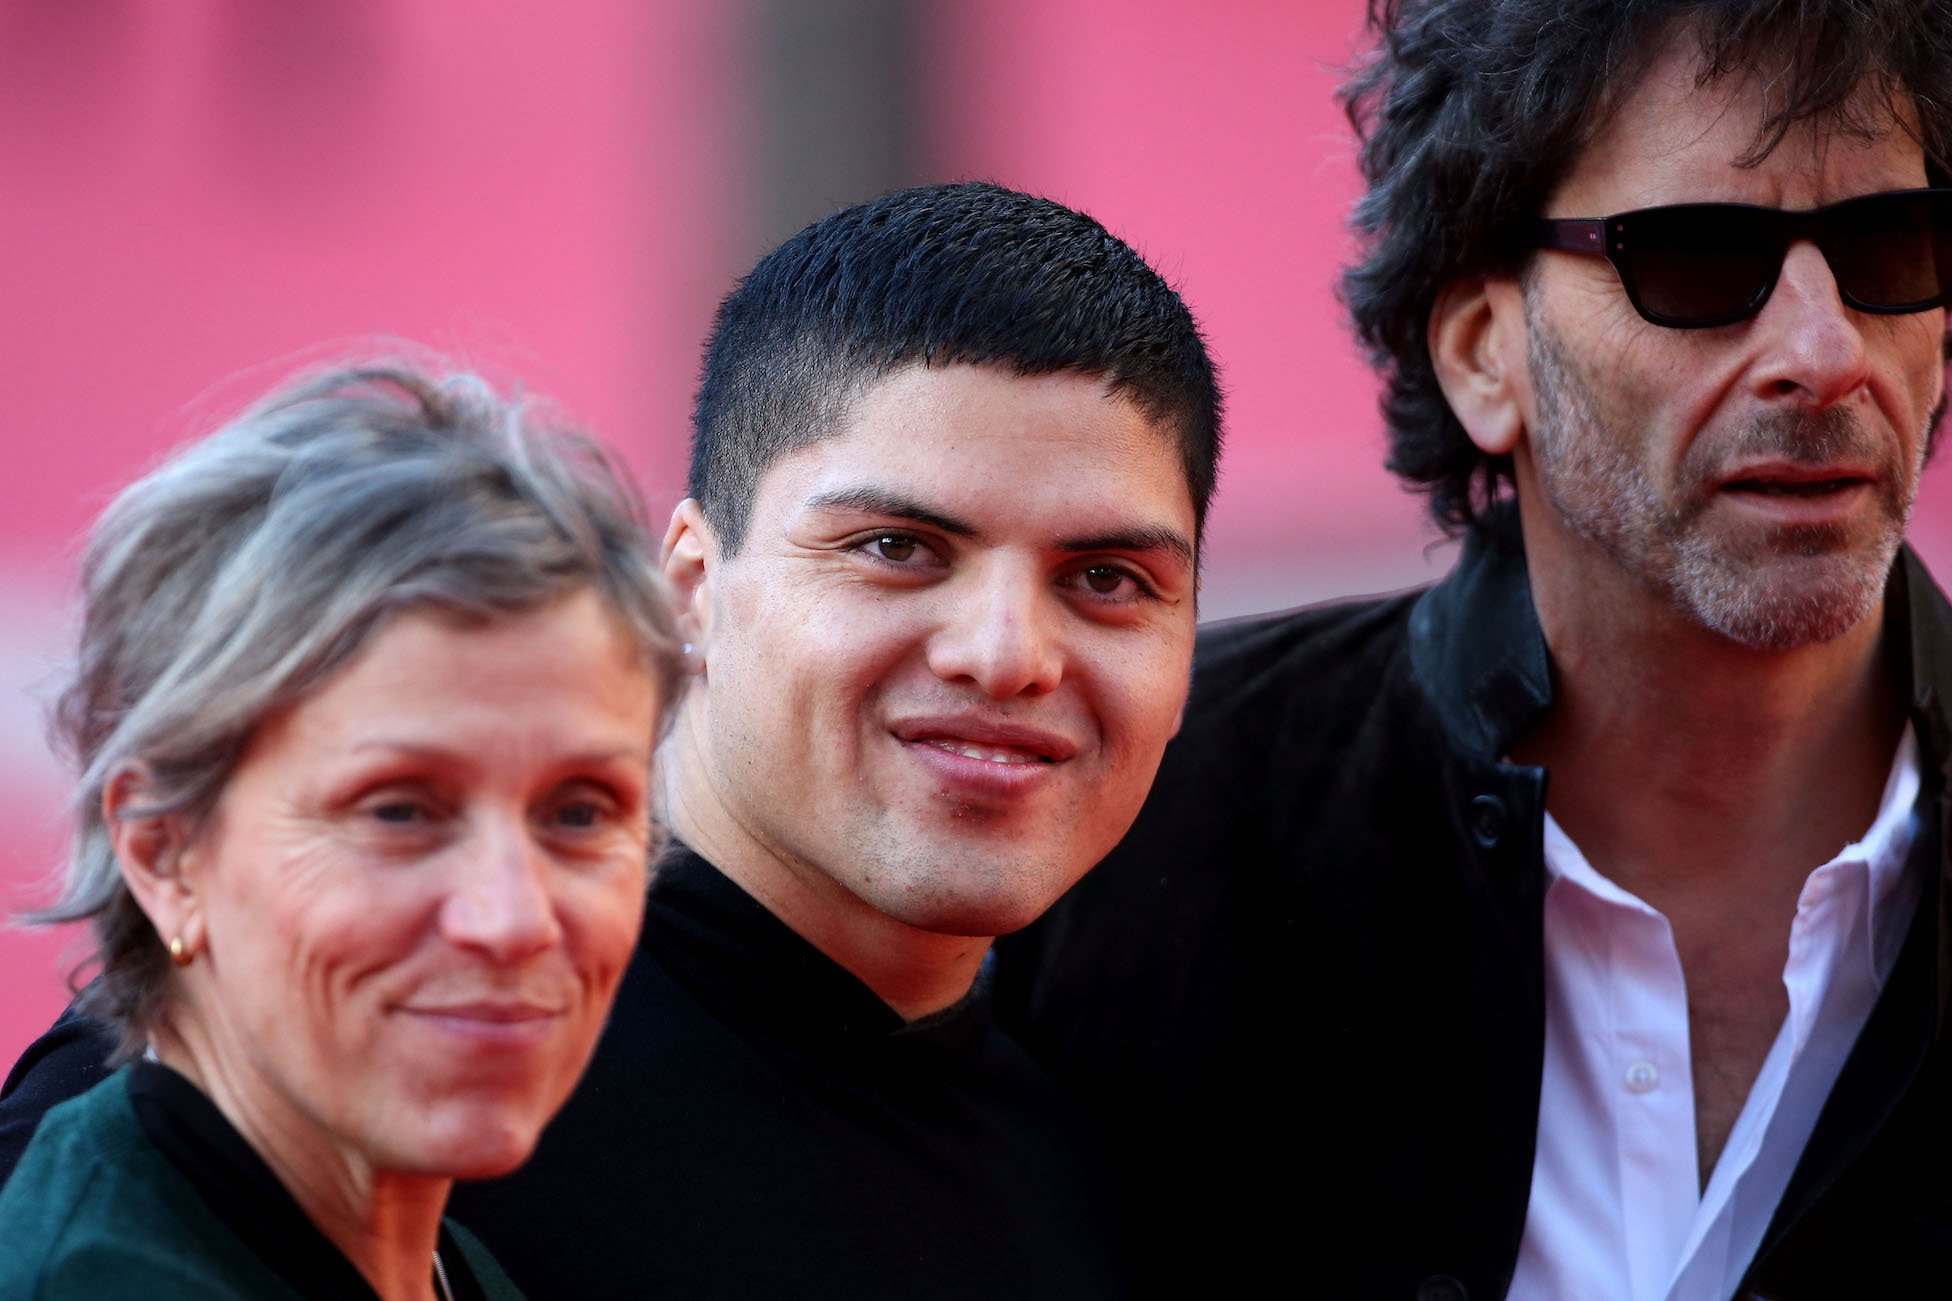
column 397, row 813
column 894, row 547
column 580, row 815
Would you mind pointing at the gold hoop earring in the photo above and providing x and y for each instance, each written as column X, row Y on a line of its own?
column 180, row 953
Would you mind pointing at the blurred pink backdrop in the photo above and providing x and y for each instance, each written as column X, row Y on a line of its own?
column 198, row 192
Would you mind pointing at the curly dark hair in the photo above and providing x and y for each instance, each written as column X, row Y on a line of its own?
column 1471, row 112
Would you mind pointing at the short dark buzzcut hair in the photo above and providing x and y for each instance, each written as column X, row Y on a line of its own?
column 968, row 272
column 1472, row 111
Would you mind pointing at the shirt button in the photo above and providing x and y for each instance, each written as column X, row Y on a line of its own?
column 1643, row 1076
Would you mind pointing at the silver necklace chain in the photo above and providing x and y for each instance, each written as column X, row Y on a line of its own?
column 440, row 1276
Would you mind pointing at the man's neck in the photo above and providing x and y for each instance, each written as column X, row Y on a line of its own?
column 913, row 971
column 1709, row 779
column 1687, row 767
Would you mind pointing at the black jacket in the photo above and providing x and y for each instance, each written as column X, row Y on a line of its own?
column 1306, row 995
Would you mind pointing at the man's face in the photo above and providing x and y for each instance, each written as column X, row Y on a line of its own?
column 942, row 667
column 1754, row 477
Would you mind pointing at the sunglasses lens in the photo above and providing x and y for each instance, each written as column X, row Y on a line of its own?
column 1696, row 264
column 1890, row 251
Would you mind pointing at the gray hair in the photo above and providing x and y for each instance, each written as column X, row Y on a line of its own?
column 241, row 573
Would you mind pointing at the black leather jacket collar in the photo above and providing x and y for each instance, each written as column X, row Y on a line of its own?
column 1476, row 645
column 1481, row 658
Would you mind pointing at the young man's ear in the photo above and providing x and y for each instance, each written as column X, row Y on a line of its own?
column 157, row 860
column 690, row 558
column 1479, row 346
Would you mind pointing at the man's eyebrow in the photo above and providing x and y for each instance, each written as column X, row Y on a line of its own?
column 869, row 500
column 1145, row 537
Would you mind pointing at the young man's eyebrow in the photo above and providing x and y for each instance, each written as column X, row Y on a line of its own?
column 868, row 500
column 1146, row 537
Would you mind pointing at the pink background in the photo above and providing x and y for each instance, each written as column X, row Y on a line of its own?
column 197, row 191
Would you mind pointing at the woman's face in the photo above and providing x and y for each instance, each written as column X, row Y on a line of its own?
column 419, row 890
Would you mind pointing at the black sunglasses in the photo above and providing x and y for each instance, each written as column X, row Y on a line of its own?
column 1694, row 265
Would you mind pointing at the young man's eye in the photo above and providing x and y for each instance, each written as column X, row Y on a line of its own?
column 1105, row 580
column 898, row 551
column 1113, row 582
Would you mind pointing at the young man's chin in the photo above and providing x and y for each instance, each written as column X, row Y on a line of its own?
column 971, row 890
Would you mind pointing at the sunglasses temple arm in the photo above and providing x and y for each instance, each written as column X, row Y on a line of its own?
column 1574, row 234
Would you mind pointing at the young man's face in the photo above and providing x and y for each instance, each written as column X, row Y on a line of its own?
column 941, row 668
column 1754, row 477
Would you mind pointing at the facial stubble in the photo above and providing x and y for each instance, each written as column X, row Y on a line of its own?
column 1765, row 587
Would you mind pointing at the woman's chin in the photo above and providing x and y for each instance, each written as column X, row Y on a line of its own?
column 469, row 1143
column 485, row 1165
column 475, row 1117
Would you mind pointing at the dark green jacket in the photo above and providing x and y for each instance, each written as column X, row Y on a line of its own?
column 95, row 1211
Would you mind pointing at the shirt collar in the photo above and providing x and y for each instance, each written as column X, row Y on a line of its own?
column 1885, row 850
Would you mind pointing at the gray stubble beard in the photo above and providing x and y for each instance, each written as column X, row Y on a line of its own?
column 1793, row 587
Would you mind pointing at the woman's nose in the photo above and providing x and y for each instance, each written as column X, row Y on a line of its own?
column 500, row 901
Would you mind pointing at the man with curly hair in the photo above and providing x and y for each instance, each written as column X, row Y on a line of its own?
column 1578, row 927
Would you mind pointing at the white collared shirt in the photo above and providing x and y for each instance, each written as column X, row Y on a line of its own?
column 1617, row 1210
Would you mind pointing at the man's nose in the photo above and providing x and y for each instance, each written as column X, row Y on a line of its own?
column 999, row 633
column 1813, row 345
column 499, row 900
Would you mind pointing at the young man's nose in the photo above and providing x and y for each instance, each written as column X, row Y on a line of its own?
column 999, row 634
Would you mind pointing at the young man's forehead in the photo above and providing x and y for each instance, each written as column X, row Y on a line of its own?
column 918, row 402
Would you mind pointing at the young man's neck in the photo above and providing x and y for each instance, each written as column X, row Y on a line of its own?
column 915, row 972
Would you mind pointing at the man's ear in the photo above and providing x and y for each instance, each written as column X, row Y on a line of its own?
column 158, row 863
column 1478, row 344
column 690, row 559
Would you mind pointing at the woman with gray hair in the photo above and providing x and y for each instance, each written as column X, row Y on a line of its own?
column 368, row 689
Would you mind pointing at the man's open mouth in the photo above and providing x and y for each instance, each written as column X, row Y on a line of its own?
column 1793, row 487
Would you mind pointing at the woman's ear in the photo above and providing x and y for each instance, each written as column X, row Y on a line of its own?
column 157, row 864
column 690, row 557
column 1478, row 344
